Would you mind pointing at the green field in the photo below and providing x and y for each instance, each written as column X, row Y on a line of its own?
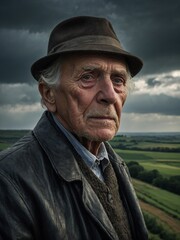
column 164, row 169
column 161, row 210
column 8, row 137
column 148, row 142
column 148, row 155
column 167, row 163
column 162, row 199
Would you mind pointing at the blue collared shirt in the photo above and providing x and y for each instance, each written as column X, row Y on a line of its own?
column 92, row 161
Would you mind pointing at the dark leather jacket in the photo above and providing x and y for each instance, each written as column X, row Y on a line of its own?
column 44, row 195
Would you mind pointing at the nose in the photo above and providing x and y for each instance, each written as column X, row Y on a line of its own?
column 106, row 93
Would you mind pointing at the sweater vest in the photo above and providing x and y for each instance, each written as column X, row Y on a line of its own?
column 108, row 194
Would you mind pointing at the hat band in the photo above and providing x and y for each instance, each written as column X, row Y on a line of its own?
column 80, row 42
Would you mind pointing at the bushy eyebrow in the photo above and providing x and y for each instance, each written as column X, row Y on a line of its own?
column 91, row 67
column 121, row 73
column 117, row 72
column 85, row 68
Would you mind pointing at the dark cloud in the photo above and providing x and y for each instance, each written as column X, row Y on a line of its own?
column 41, row 15
column 25, row 27
column 147, row 28
column 19, row 50
column 152, row 32
column 33, row 15
column 161, row 104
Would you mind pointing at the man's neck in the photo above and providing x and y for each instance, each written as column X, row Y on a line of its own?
column 91, row 146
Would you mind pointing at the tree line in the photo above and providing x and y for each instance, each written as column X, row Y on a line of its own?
column 153, row 177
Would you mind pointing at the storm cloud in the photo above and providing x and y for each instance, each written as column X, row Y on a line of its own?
column 149, row 29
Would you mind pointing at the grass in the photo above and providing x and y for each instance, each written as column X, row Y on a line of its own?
column 162, row 199
column 4, row 146
column 164, row 169
column 152, row 142
column 167, row 163
column 8, row 137
column 147, row 155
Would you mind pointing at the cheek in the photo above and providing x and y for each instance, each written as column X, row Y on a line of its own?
column 119, row 104
column 72, row 105
column 80, row 100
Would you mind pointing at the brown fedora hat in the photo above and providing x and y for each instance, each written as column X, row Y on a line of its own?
column 84, row 34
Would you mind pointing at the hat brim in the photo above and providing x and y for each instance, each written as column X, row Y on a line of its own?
column 134, row 63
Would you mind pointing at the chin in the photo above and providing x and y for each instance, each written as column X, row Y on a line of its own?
column 101, row 136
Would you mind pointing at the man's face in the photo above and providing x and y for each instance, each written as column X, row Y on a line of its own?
column 90, row 96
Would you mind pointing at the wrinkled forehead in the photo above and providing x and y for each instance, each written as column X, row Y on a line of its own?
column 90, row 62
column 104, row 66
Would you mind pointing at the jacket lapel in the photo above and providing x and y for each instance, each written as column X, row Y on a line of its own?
column 96, row 210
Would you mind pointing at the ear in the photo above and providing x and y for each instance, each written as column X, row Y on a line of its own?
column 48, row 96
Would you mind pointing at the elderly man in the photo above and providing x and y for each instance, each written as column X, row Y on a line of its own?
column 63, row 180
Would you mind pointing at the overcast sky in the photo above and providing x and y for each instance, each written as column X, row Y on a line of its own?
column 148, row 29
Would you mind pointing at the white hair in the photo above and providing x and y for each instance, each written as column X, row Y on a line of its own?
column 51, row 75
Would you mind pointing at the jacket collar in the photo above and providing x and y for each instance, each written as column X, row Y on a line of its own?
column 55, row 146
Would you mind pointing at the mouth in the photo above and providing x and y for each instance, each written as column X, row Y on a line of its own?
column 102, row 118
